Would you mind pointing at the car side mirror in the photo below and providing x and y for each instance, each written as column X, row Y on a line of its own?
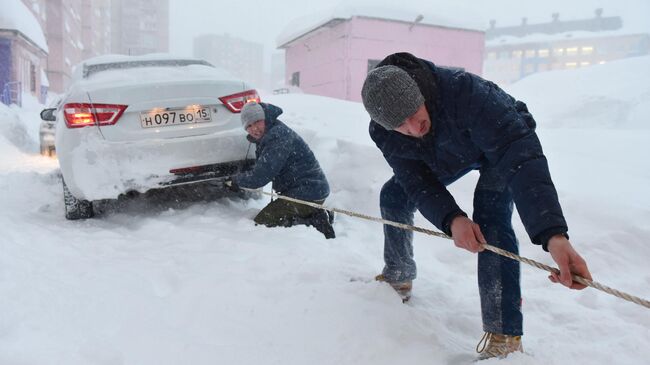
column 48, row 114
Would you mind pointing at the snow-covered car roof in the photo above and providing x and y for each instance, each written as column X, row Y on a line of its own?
column 134, row 69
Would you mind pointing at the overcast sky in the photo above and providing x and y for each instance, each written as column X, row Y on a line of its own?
column 263, row 21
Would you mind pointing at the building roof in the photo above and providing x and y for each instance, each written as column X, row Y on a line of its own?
column 16, row 16
column 633, row 14
column 541, row 38
column 447, row 18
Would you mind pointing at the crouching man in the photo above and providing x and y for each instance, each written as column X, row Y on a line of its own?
column 283, row 158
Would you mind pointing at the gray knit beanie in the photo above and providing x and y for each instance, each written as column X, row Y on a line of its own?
column 390, row 96
column 251, row 113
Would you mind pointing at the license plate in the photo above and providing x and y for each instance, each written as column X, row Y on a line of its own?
column 175, row 116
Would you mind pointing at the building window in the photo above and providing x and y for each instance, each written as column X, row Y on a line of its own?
column 587, row 50
column 516, row 54
column 558, row 51
column 295, row 79
column 572, row 51
column 543, row 52
column 583, row 64
column 504, row 54
column 571, row 64
column 491, row 55
column 372, row 64
column 530, row 53
column 32, row 77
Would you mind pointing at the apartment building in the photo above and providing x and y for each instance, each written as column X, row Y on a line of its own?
column 518, row 51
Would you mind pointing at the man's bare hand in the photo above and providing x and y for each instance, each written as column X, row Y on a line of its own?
column 467, row 234
column 568, row 261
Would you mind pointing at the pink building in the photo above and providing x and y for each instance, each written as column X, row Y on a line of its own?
column 333, row 56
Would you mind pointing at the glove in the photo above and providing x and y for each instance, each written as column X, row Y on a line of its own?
column 231, row 185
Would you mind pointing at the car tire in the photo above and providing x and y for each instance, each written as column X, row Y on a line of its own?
column 76, row 208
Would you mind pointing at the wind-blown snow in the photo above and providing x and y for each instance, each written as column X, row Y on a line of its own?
column 155, row 282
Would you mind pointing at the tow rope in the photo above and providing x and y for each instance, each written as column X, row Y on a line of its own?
column 499, row 251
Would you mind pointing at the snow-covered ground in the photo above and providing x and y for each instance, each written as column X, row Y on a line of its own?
column 156, row 282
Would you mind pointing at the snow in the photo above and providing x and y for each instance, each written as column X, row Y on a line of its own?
column 443, row 17
column 613, row 95
column 159, row 282
column 125, row 76
column 632, row 12
column 510, row 12
column 19, row 127
column 540, row 37
column 44, row 79
column 15, row 15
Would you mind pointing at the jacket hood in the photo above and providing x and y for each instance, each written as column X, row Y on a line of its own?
column 271, row 114
column 423, row 72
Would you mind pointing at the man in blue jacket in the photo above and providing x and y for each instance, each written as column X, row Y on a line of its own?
column 286, row 160
column 434, row 125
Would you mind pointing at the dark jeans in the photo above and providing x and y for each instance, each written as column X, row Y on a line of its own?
column 498, row 276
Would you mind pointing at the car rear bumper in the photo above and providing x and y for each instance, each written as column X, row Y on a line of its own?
column 95, row 169
column 210, row 172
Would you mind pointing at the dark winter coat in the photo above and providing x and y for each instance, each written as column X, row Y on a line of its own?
column 475, row 125
column 284, row 158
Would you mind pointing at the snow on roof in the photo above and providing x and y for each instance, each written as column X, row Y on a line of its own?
column 16, row 16
column 632, row 12
column 449, row 17
column 117, row 74
column 77, row 70
column 510, row 12
column 112, row 58
column 540, row 37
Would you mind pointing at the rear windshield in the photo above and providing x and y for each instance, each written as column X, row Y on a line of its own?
column 93, row 69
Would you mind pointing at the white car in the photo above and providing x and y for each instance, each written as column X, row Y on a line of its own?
column 46, row 131
column 131, row 124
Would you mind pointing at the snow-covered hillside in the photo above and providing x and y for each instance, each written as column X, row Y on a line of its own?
column 614, row 95
column 158, row 282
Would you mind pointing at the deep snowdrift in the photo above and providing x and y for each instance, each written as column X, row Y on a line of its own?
column 614, row 95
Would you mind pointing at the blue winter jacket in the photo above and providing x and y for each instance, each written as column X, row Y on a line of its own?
column 475, row 125
column 284, row 158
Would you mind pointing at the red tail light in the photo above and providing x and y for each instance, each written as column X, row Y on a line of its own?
column 79, row 115
column 237, row 101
